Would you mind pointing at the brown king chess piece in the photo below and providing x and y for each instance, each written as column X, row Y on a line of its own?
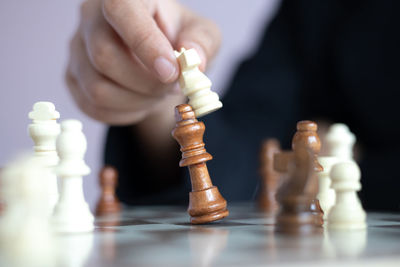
column 206, row 204
column 108, row 202
column 270, row 179
column 296, row 194
column 306, row 135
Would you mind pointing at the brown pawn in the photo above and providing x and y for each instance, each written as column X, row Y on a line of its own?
column 270, row 179
column 108, row 202
column 206, row 204
column 295, row 196
column 307, row 136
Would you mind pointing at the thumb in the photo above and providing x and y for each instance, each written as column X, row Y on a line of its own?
column 201, row 34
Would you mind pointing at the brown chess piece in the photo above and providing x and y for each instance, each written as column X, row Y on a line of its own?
column 295, row 196
column 270, row 179
column 306, row 135
column 206, row 204
column 108, row 202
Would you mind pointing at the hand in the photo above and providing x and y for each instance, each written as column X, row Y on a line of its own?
column 122, row 67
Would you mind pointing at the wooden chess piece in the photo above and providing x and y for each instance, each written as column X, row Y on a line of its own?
column 270, row 179
column 295, row 196
column 206, row 204
column 108, row 202
column 306, row 135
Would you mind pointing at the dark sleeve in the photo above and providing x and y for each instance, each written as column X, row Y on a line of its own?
column 139, row 181
column 335, row 60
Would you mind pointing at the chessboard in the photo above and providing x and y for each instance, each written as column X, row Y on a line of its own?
column 163, row 236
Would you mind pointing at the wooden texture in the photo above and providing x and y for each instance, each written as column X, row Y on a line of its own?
column 206, row 204
column 297, row 195
column 269, row 176
column 108, row 202
column 287, row 162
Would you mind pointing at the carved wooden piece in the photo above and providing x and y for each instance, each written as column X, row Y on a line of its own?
column 206, row 204
column 305, row 137
column 108, row 202
column 269, row 177
column 295, row 196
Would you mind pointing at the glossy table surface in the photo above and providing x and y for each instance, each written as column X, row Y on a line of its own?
column 162, row 236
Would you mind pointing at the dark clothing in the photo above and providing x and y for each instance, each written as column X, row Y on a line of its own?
column 334, row 60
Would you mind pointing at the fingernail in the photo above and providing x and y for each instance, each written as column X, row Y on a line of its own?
column 164, row 68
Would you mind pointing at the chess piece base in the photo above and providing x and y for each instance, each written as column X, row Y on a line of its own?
column 207, row 206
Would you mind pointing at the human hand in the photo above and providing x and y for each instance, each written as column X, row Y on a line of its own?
column 122, row 67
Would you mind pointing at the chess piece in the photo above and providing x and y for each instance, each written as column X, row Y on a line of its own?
column 108, row 202
column 347, row 213
column 296, row 195
column 326, row 195
column 25, row 239
column 44, row 130
column 269, row 177
column 306, row 135
column 195, row 84
column 72, row 214
column 340, row 142
column 206, row 204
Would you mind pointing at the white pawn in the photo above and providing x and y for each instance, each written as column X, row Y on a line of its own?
column 326, row 195
column 195, row 84
column 347, row 213
column 44, row 131
column 340, row 142
column 72, row 214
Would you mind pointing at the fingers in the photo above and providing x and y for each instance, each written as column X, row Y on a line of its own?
column 201, row 34
column 99, row 97
column 108, row 116
column 134, row 22
column 110, row 57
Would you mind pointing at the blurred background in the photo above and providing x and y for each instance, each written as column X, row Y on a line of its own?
column 34, row 40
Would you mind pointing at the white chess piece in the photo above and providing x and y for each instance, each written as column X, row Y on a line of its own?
column 72, row 214
column 340, row 142
column 326, row 195
column 195, row 84
column 347, row 213
column 44, row 131
column 25, row 238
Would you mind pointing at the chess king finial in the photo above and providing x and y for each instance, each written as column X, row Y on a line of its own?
column 195, row 84
column 206, row 204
